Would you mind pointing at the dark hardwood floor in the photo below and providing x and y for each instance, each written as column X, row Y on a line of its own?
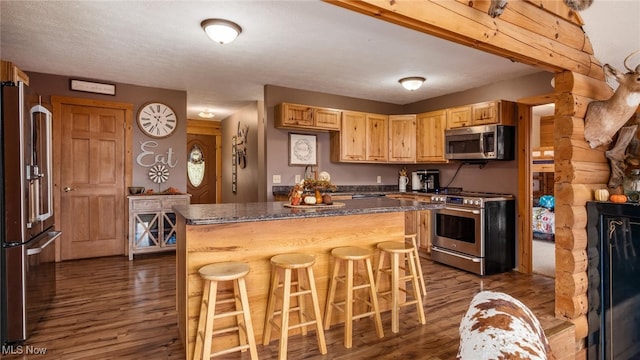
column 113, row 308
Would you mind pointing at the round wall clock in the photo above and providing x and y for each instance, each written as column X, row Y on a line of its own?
column 157, row 120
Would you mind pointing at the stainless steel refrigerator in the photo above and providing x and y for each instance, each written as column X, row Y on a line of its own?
column 27, row 224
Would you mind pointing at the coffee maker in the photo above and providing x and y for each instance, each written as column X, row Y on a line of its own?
column 431, row 180
column 425, row 180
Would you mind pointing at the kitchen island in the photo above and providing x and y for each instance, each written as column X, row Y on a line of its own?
column 254, row 232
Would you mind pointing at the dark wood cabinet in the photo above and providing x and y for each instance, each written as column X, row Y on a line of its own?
column 614, row 281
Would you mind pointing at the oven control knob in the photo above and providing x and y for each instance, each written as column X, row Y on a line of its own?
column 476, row 203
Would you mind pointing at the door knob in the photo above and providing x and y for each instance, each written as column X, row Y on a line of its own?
column 67, row 189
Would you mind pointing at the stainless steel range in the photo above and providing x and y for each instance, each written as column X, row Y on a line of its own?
column 475, row 232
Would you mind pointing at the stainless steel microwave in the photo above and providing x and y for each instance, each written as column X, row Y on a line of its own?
column 484, row 142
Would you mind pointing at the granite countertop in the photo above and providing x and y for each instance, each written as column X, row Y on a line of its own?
column 204, row 214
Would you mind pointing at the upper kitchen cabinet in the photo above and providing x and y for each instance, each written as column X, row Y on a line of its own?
column 402, row 138
column 10, row 72
column 296, row 116
column 350, row 143
column 485, row 113
column 377, row 137
column 459, row 116
column 430, row 136
column 363, row 137
column 490, row 112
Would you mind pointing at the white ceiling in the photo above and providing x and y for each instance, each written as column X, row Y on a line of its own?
column 308, row 45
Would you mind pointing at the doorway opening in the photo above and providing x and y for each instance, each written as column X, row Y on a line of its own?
column 542, row 186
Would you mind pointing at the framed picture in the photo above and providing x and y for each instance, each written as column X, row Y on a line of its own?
column 302, row 149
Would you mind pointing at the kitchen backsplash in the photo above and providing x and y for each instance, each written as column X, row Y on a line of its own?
column 345, row 189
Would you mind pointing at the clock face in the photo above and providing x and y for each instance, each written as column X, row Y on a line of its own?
column 157, row 120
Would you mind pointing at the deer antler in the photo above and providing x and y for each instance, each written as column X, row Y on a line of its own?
column 637, row 70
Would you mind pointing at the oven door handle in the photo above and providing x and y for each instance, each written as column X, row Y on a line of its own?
column 474, row 259
column 475, row 212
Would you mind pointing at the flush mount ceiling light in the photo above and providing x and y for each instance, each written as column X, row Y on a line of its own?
column 220, row 30
column 412, row 83
column 207, row 114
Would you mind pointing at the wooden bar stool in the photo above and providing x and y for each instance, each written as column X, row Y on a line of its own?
column 416, row 256
column 349, row 254
column 286, row 263
column 395, row 250
column 212, row 274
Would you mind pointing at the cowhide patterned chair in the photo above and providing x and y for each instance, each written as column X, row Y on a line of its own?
column 497, row 326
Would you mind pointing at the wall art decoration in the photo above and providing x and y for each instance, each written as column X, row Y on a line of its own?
column 158, row 174
column 302, row 149
column 234, row 164
column 241, row 148
column 92, row 87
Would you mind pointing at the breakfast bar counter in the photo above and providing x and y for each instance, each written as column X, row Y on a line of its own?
column 254, row 232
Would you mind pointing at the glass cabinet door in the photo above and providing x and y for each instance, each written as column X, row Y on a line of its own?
column 169, row 229
column 146, row 230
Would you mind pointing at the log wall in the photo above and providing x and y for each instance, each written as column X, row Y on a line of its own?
column 545, row 34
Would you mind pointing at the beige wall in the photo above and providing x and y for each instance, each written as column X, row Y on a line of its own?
column 48, row 85
column 497, row 176
column 267, row 151
column 248, row 179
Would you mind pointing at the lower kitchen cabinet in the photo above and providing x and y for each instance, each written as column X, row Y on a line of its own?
column 152, row 222
column 417, row 222
column 425, row 230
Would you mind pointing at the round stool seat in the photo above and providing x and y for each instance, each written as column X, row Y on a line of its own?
column 395, row 247
column 293, row 261
column 351, row 253
column 224, row 271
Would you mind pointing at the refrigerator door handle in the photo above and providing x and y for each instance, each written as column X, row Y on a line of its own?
column 53, row 235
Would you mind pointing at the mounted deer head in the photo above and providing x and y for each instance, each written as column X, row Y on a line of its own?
column 604, row 118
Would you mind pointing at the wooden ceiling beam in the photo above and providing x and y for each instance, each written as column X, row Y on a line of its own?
column 525, row 32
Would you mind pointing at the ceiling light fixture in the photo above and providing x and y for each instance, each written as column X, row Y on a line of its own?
column 220, row 30
column 412, row 83
column 207, row 114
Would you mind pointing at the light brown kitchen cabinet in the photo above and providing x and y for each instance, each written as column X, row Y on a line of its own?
column 495, row 112
column 10, row 72
column 430, row 128
column 296, row 116
column 459, row 116
column 377, row 136
column 402, row 138
column 350, row 143
column 425, row 230
column 417, row 222
column 363, row 137
column 485, row 113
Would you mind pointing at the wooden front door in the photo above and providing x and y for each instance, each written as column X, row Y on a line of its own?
column 92, row 185
column 205, row 191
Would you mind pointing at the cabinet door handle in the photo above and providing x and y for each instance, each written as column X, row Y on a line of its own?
column 67, row 189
